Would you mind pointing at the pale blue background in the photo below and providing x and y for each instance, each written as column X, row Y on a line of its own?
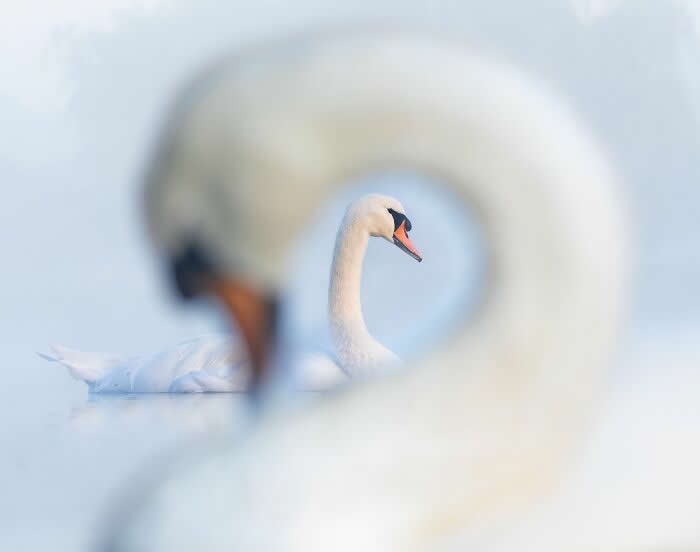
column 82, row 88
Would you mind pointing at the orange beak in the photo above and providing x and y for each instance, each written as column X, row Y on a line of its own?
column 402, row 240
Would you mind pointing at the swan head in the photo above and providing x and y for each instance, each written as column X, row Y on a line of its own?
column 384, row 217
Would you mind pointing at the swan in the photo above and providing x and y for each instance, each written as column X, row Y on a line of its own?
column 218, row 363
column 468, row 436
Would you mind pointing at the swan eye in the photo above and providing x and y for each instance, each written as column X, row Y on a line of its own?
column 398, row 219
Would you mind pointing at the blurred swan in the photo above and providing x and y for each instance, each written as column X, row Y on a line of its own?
column 219, row 363
column 474, row 432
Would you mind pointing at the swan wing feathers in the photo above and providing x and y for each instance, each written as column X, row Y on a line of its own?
column 203, row 382
column 83, row 365
column 206, row 363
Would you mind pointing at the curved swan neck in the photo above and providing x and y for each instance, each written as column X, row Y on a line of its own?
column 344, row 306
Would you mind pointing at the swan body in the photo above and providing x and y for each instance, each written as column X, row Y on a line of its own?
column 218, row 363
column 212, row 363
column 478, row 430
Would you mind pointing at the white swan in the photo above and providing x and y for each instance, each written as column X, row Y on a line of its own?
column 481, row 427
column 219, row 363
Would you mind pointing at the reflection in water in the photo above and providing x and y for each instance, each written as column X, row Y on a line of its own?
column 179, row 414
column 68, row 454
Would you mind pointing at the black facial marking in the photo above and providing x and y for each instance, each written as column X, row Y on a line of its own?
column 398, row 219
column 189, row 269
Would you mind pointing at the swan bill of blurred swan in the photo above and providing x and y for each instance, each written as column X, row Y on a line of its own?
column 219, row 363
column 472, row 433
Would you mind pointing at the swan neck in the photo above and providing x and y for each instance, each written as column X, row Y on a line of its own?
column 344, row 306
